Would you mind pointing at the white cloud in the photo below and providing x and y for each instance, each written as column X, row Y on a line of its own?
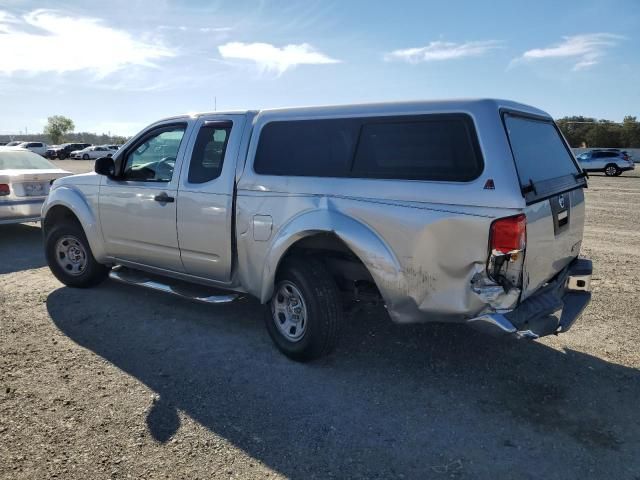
column 439, row 50
column 48, row 41
column 585, row 50
column 215, row 29
column 275, row 59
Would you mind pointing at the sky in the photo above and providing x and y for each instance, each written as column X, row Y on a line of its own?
column 116, row 66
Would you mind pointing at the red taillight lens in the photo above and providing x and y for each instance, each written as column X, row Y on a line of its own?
column 4, row 190
column 509, row 234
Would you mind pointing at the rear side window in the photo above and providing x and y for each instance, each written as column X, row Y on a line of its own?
column 307, row 148
column 208, row 152
column 434, row 149
column 542, row 159
column 424, row 147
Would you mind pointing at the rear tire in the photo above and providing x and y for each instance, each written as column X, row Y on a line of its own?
column 304, row 289
column 70, row 259
column 612, row 170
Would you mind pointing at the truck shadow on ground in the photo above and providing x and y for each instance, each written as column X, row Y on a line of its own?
column 21, row 247
column 391, row 400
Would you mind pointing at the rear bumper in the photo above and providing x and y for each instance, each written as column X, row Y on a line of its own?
column 553, row 309
column 18, row 211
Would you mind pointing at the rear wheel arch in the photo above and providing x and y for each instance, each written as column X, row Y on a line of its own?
column 335, row 232
column 612, row 169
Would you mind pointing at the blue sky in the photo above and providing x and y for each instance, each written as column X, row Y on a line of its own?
column 119, row 65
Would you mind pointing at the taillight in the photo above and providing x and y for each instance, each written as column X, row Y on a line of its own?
column 4, row 190
column 509, row 234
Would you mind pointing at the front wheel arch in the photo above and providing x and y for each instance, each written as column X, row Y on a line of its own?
column 58, row 214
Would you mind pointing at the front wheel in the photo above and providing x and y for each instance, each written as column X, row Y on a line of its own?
column 305, row 312
column 85, row 157
column 70, row 259
column 612, row 170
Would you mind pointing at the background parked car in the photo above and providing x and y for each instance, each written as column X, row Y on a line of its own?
column 25, row 179
column 92, row 153
column 36, row 147
column 15, row 143
column 612, row 162
column 64, row 151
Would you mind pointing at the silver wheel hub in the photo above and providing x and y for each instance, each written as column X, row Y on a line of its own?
column 71, row 255
column 289, row 311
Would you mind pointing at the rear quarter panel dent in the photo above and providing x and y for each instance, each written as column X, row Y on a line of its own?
column 427, row 274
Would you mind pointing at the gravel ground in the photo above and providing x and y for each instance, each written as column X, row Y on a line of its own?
column 119, row 382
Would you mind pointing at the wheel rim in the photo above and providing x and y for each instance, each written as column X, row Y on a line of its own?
column 611, row 170
column 289, row 311
column 71, row 255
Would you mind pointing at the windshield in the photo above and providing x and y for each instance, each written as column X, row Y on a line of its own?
column 15, row 160
column 543, row 161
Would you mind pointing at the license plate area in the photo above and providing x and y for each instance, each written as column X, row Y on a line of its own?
column 34, row 189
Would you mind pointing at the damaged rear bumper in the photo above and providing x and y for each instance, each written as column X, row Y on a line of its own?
column 553, row 309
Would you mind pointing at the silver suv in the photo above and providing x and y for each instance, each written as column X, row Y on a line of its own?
column 612, row 162
column 449, row 211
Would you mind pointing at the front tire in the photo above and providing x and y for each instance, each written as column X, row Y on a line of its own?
column 70, row 259
column 305, row 311
column 85, row 157
column 612, row 170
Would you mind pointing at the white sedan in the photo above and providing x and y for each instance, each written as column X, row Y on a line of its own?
column 92, row 153
column 25, row 178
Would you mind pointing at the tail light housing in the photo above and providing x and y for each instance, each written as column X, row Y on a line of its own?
column 508, row 234
column 4, row 189
column 507, row 242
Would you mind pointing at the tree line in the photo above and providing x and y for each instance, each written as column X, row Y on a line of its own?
column 583, row 132
column 59, row 129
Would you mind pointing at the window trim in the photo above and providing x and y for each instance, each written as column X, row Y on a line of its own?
column 208, row 124
column 121, row 161
column 386, row 119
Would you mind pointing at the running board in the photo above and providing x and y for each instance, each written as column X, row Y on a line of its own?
column 197, row 293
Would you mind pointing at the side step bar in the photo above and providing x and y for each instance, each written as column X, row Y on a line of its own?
column 197, row 293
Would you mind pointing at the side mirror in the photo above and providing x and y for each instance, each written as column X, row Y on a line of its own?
column 105, row 166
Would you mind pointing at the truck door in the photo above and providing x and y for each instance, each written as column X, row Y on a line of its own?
column 138, row 210
column 205, row 197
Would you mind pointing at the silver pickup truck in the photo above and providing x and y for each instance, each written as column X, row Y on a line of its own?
column 446, row 211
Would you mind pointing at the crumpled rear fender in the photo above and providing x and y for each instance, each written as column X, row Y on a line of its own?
column 82, row 204
column 363, row 242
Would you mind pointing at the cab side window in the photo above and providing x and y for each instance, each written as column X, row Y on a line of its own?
column 153, row 159
column 208, row 152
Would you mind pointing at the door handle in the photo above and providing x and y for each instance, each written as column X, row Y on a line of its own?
column 164, row 198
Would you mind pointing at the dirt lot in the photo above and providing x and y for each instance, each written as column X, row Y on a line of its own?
column 118, row 382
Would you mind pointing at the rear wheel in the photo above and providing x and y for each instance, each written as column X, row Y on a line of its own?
column 70, row 259
column 305, row 312
column 612, row 170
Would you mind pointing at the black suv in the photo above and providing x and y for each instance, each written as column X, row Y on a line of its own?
column 62, row 151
